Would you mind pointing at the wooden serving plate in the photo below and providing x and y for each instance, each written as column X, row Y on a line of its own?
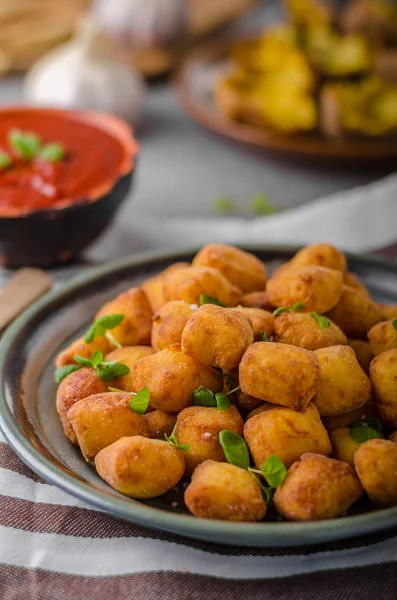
column 194, row 83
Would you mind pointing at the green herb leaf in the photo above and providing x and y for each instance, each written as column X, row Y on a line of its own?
column 235, row 449
column 362, row 434
column 280, row 310
column 222, row 401
column 64, row 371
column 96, row 358
column 100, row 327
column 117, row 390
column 371, row 422
column 297, row 306
column 25, row 144
column 274, row 471
column 203, row 397
column 119, row 369
column 394, row 323
column 322, row 321
column 140, row 402
column 261, row 205
column 171, row 439
column 104, row 374
column 54, row 152
column 223, row 205
column 84, row 362
column 5, row 160
column 204, row 299
column 265, row 337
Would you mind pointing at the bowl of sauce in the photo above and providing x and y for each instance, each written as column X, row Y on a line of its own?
column 63, row 175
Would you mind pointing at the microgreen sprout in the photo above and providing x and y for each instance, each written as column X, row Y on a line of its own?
column 101, row 327
column 294, row 308
column 171, row 439
column 322, row 321
column 366, row 429
column 139, row 401
column 204, row 299
column 106, row 370
column 205, row 397
column 394, row 340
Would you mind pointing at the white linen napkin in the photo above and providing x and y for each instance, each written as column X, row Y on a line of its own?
column 360, row 220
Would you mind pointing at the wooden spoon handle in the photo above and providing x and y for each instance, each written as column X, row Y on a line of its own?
column 24, row 287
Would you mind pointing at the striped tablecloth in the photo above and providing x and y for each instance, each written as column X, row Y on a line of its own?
column 54, row 547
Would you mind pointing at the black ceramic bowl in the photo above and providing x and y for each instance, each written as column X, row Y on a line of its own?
column 58, row 234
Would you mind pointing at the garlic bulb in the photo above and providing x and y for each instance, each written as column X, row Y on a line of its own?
column 141, row 23
column 79, row 75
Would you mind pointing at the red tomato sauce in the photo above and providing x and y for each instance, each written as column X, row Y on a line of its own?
column 92, row 158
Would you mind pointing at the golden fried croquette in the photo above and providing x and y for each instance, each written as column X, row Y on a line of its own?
column 382, row 337
column 375, row 463
column 343, row 384
column 317, row 487
column 128, row 355
column 217, row 336
column 280, row 374
column 135, row 328
column 172, row 378
column 369, row 410
column 355, row 313
column 80, row 347
column 383, row 374
column 322, row 255
column 263, row 407
column 223, row 491
column 140, row 467
column 169, row 322
column 102, row 419
column 154, row 287
column 159, row 423
column 287, row 434
column 241, row 268
column 317, row 288
column 262, row 321
column 303, row 330
column 363, row 352
column 389, row 311
column 190, row 283
column 76, row 386
column 199, row 428
column 352, row 281
column 344, row 446
column 256, row 300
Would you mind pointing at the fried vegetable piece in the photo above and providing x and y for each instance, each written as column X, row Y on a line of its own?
column 172, row 377
column 199, row 428
column 375, row 463
column 383, row 374
column 190, row 283
column 343, row 384
column 262, row 321
column 280, row 374
column 317, row 288
column 344, row 446
column 355, row 314
column 389, row 311
column 322, row 255
column 66, row 357
column 75, row 387
column 346, row 419
column 241, row 268
column 317, row 487
column 128, row 355
column 217, row 336
column 363, row 352
column 102, row 419
column 140, row 467
column 135, row 328
column 351, row 280
column 169, row 322
column 154, row 287
column 382, row 337
column 223, row 491
column 287, row 434
column 303, row 330
column 256, row 300
column 159, row 423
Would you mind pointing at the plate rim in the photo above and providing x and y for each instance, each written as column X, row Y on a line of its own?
column 237, row 533
column 304, row 146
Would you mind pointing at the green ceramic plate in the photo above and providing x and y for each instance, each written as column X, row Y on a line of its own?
column 29, row 421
